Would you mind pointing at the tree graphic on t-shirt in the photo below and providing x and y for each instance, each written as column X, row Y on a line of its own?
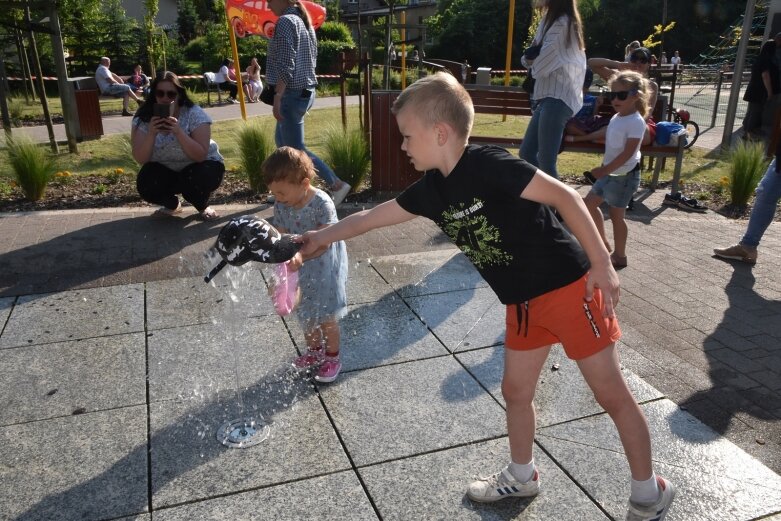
column 479, row 240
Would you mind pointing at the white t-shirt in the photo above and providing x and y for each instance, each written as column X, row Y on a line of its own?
column 620, row 129
column 675, row 60
column 221, row 76
column 102, row 77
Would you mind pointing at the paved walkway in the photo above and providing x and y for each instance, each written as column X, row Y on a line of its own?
column 118, row 366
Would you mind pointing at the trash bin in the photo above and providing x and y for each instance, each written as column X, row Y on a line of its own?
column 86, row 96
column 483, row 76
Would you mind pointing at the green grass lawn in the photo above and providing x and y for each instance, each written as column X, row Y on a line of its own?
column 111, row 152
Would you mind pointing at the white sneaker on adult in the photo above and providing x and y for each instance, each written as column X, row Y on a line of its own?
column 339, row 195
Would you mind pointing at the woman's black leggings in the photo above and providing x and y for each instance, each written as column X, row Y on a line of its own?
column 158, row 184
column 231, row 87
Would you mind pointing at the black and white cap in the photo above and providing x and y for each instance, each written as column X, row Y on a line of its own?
column 248, row 238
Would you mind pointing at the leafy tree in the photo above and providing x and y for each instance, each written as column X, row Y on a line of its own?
column 187, row 19
column 477, row 31
column 151, row 8
column 120, row 35
column 80, row 22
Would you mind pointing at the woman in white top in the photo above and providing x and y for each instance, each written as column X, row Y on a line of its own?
column 558, row 71
column 253, row 86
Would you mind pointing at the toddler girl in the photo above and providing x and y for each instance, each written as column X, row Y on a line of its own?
column 619, row 175
column 322, row 276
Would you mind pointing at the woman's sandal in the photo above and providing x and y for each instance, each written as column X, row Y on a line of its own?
column 618, row 261
column 167, row 212
column 209, row 214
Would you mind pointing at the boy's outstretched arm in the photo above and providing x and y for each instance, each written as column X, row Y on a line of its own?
column 386, row 214
column 547, row 190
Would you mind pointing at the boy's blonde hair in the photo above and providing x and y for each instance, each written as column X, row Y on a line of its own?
column 439, row 98
column 287, row 164
column 634, row 81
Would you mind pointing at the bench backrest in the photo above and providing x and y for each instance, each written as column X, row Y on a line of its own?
column 500, row 100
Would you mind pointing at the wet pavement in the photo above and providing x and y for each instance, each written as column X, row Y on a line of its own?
column 118, row 366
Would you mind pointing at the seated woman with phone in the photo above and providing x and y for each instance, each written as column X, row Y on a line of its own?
column 171, row 139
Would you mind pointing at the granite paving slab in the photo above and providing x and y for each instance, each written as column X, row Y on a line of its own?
column 87, row 466
column 701, row 464
column 6, row 303
column 335, row 496
column 73, row 315
column 433, row 486
column 200, row 360
column 380, row 333
column 429, row 272
column 399, row 410
column 189, row 464
column 45, row 381
column 463, row 319
column 562, row 394
column 365, row 284
column 234, row 292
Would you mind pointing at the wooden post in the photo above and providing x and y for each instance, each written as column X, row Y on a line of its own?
column 4, row 104
column 68, row 102
column 367, row 123
column 24, row 64
column 39, row 73
column 343, row 87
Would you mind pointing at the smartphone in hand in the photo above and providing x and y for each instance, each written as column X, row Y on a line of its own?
column 163, row 110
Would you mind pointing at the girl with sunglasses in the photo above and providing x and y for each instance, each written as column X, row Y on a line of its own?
column 619, row 175
column 640, row 62
column 176, row 151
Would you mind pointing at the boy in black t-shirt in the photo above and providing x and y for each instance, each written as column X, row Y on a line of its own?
column 497, row 208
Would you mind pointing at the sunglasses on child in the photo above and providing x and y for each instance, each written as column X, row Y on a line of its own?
column 638, row 58
column 170, row 94
column 620, row 94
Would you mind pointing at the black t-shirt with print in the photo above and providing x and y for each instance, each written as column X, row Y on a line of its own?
column 518, row 246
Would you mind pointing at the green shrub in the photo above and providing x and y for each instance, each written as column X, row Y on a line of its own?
column 33, row 166
column 348, row 154
column 195, row 48
column 15, row 110
column 515, row 81
column 747, row 164
column 328, row 55
column 334, row 31
column 255, row 144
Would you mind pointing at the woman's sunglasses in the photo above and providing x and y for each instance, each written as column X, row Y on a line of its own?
column 170, row 94
column 619, row 94
column 638, row 59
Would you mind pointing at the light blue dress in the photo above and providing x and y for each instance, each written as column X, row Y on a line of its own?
column 322, row 280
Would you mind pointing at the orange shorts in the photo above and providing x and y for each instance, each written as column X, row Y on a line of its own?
column 562, row 315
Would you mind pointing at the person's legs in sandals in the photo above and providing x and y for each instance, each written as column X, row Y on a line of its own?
column 157, row 184
column 197, row 182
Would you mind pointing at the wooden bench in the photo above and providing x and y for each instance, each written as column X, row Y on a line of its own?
column 211, row 85
column 515, row 102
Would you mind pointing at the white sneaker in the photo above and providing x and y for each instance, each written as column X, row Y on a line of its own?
column 502, row 485
column 339, row 195
column 658, row 510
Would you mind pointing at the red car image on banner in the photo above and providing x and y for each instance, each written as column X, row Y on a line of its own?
column 249, row 17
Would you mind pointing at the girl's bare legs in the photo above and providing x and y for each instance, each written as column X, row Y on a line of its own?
column 521, row 371
column 620, row 230
column 603, row 374
column 592, row 204
column 332, row 337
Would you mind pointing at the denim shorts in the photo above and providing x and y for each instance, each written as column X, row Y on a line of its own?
column 617, row 190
